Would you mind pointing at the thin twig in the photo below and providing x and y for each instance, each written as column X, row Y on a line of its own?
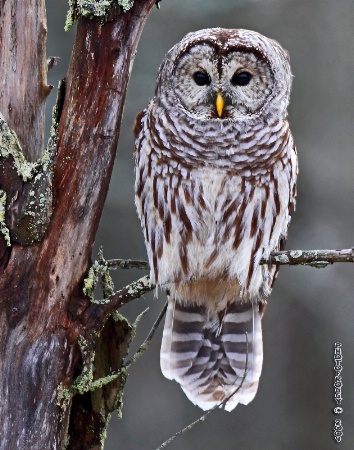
column 130, row 292
column 316, row 258
column 128, row 264
column 98, row 311
column 204, row 416
column 148, row 339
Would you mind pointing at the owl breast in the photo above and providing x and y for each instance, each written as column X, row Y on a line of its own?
column 211, row 211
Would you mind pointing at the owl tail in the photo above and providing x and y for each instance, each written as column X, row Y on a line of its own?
column 207, row 355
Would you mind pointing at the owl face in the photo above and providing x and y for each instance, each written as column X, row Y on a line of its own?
column 223, row 74
column 211, row 85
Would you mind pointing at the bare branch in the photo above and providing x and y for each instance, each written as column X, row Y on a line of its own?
column 96, row 314
column 130, row 292
column 148, row 339
column 128, row 264
column 315, row 258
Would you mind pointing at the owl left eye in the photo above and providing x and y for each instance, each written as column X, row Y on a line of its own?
column 241, row 79
column 201, row 78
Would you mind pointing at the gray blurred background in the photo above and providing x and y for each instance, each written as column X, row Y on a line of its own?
column 309, row 309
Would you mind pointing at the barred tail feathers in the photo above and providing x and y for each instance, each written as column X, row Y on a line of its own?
column 207, row 355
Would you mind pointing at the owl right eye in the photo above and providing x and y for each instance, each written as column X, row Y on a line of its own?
column 241, row 79
column 201, row 78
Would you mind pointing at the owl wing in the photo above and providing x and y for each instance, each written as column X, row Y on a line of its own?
column 138, row 123
column 151, row 201
column 290, row 173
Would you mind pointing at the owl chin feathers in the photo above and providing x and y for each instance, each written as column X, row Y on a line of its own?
column 216, row 171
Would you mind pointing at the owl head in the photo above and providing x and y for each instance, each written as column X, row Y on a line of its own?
column 224, row 74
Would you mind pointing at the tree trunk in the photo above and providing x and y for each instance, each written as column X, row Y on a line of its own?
column 42, row 272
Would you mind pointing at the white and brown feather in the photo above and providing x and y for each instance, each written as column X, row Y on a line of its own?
column 213, row 196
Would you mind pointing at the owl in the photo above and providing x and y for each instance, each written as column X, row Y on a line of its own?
column 216, row 171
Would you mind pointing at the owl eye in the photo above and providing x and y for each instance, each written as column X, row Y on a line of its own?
column 241, row 79
column 201, row 78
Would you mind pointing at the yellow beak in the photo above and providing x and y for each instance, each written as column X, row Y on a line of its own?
column 219, row 104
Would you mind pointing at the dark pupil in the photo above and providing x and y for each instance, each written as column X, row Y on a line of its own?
column 241, row 79
column 201, row 78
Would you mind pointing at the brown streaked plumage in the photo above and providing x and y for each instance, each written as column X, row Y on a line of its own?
column 216, row 170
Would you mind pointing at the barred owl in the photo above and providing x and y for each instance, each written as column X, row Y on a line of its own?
column 216, row 170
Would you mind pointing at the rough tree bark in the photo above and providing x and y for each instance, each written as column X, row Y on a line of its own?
column 46, row 244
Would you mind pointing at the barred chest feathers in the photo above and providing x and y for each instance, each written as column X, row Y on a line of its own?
column 213, row 218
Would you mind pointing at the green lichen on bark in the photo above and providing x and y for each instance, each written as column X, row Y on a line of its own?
column 104, row 375
column 3, row 228
column 142, row 284
column 99, row 272
column 98, row 9
column 117, row 317
column 37, row 209
column 90, row 282
column 118, row 405
column 84, row 381
column 29, row 222
column 10, row 146
column 63, row 397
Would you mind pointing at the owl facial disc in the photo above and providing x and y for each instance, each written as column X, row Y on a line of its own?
column 220, row 74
